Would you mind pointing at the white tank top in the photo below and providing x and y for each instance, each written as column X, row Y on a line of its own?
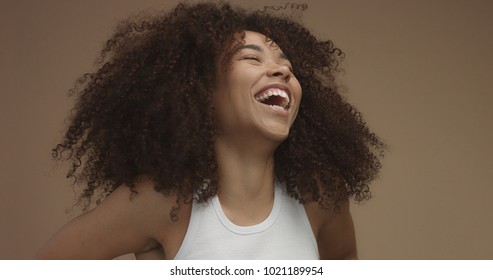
column 285, row 234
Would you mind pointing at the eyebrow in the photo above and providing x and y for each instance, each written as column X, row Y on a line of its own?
column 260, row 49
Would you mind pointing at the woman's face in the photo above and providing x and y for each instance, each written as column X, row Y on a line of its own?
column 257, row 94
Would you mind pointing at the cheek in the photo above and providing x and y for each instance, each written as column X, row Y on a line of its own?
column 227, row 91
column 237, row 87
column 297, row 92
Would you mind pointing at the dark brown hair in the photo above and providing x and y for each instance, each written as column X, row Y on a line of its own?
column 148, row 110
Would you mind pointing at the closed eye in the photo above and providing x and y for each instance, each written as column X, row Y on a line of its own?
column 250, row 57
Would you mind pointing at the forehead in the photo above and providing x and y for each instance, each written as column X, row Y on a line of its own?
column 249, row 40
column 259, row 39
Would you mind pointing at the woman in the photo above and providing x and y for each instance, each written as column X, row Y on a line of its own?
column 213, row 133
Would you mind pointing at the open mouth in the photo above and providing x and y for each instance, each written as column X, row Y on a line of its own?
column 274, row 97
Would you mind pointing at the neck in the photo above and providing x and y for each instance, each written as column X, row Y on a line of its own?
column 246, row 178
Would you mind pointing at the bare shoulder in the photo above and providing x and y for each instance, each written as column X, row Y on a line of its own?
column 334, row 231
column 169, row 232
column 125, row 222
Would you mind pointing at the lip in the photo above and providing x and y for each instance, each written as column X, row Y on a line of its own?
column 277, row 86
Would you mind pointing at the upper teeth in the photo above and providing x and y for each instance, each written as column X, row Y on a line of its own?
column 274, row 92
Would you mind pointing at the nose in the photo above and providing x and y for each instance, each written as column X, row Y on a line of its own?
column 280, row 71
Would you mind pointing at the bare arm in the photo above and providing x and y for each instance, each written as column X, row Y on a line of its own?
column 119, row 225
column 334, row 232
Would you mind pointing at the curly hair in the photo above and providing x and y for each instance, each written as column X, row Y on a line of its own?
column 148, row 111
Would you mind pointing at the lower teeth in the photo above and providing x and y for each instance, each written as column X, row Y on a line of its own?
column 277, row 107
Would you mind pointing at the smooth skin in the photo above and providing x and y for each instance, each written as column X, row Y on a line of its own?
column 249, row 133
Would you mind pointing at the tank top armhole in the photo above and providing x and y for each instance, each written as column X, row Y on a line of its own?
column 308, row 227
column 193, row 225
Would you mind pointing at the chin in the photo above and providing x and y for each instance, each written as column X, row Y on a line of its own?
column 276, row 135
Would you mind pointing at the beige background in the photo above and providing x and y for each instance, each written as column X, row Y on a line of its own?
column 420, row 71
